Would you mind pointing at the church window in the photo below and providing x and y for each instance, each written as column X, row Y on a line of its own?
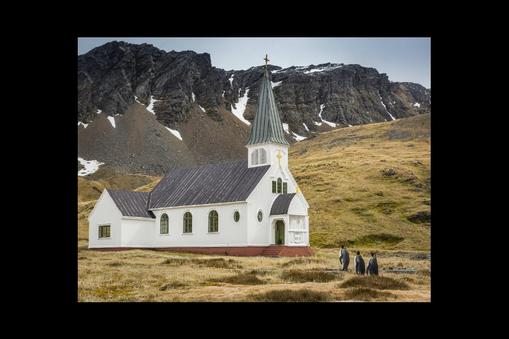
column 104, row 231
column 262, row 156
column 285, row 187
column 274, row 186
column 213, row 221
column 164, row 224
column 279, row 185
column 188, row 222
column 254, row 157
column 260, row 216
column 236, row 216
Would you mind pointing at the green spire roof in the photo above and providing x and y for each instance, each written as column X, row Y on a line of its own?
column 267, row 126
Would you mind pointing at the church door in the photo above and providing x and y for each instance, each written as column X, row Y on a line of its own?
column 280, row 232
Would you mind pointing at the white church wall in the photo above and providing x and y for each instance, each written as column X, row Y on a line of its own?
column 258, row 233
column 105, row 212
column 230, row 233
column 137, row 232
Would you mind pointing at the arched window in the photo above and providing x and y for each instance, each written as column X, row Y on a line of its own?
column 236, row 216
column 254, row 157
column 188, row 222
column 262, row 156
column 213, row 221
column 164, row 224
column 279, row 185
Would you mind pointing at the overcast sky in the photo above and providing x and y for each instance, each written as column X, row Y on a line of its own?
column 403, row 59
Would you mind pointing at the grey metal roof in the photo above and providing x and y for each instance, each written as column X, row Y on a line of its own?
column 208, row 184
column 131, row 204
column 267, row 125
column 281, row 204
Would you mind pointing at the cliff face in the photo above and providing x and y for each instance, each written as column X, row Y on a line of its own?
column 211, row 108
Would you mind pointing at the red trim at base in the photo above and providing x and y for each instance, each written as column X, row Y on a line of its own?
column 267, row 251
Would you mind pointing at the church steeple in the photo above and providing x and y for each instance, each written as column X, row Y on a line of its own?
column 267, row 127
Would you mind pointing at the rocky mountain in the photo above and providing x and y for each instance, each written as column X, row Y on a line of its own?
column 145, row 110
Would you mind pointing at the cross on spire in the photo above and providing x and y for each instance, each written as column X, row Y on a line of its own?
column 266, row 60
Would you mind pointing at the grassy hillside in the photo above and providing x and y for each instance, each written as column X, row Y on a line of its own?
column 368, row 186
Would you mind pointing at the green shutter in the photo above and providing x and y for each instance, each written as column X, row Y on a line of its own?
column 279, row 189
column 274, row 189
column 285, row 187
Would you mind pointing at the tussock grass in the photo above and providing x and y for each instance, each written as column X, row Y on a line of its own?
column 301, row 261
column 375, row 282
column 367, row 294
column 240, row 279
column 214, row 262
column 301, row 295
column 217, row 263
column 172, row 285
column 143, row 277
column 174, row 261
column 305, row 276
column 426, row 273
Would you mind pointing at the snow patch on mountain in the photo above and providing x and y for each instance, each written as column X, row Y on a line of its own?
column 231, row 80
column 174, row 132
column 240, row 107
column 298, row 137
column 84, row 125
column 385, row 107
column 331, row 124
column 285, row 127
column 275, row 84
column 305, row 126
column 417, row 104
column 99, row 111
column 150, row 106
column 193, row 97
column 322, row 69
column 203, row 109
column 112, row 121
column 90, row 166
column 138, row 101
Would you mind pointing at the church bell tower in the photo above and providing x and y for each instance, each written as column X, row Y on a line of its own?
column 267, row 144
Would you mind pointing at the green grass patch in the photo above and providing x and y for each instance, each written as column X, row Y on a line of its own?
column 379, row 239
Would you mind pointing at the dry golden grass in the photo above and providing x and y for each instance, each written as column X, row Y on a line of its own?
column 376, row 282
column 146, row 275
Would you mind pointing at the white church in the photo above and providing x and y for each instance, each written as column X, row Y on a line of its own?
column 246, row 207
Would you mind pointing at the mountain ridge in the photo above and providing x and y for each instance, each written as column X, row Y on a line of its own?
column 210, row 109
